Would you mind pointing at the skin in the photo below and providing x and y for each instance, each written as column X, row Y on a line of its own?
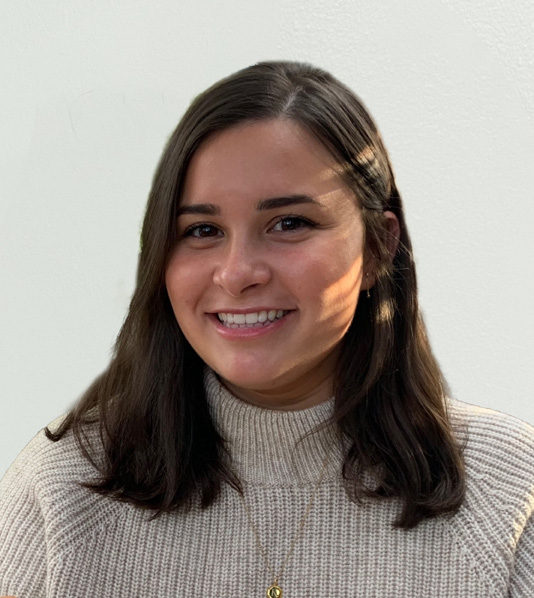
column 240, row 257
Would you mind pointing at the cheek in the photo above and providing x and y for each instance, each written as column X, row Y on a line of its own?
column 183, row 284
column 325, row 272
column 333, row 291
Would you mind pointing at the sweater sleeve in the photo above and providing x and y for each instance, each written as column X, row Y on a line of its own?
column 23, row 548
column 522, row 580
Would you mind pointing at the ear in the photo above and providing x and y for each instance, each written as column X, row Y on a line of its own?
column 392, row 242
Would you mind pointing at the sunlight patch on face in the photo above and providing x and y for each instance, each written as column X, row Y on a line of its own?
column 329, row 174
column 340, row 299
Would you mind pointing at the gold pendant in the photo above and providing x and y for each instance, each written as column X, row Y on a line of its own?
column 274, row 592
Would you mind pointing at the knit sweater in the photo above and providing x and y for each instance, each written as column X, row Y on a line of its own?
column 60, row 540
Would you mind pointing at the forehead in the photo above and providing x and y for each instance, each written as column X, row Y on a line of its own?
column 261, row 159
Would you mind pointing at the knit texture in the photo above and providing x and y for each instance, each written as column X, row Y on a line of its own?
column 59, row 540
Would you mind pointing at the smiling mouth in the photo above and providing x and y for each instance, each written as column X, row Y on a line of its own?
column 251, row 320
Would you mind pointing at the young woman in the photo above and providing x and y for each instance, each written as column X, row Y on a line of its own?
column 273, row 421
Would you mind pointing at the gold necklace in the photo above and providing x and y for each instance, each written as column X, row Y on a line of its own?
column 275, row 591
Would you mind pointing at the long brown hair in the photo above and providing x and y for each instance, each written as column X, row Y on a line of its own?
column 161, row 449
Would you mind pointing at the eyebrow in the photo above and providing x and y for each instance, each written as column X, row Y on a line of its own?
column 271, row 203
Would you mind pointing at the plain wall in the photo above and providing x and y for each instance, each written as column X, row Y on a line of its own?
column 92, row 90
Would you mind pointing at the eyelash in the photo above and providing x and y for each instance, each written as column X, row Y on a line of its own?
column 305, row 221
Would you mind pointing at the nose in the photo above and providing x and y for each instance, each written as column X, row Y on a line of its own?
column 242, row 265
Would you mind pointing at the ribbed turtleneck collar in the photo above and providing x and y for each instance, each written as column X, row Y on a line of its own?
column 264, row 443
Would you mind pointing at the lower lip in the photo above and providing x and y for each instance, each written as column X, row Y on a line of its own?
column 252, row 332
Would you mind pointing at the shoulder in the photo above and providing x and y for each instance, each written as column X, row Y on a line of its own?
column 493, row 439
column 41, row 495
column 498, row 451
column 44, row 462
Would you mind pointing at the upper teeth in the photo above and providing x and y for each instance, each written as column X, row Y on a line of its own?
column 252, row 318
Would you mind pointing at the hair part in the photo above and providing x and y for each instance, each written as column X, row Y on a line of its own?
column 161, row 449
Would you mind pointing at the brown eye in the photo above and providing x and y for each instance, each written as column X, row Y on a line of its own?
column 292, row 223
column 201, row 231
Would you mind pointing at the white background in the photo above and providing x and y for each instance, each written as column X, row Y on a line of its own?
column 92, row 89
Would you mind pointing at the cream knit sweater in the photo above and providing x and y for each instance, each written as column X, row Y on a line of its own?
column 59, row 540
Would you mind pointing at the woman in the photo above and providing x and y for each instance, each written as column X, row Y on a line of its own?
column 273, row 421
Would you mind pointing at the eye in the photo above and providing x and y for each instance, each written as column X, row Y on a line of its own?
column 288, row 223
column 201, row 231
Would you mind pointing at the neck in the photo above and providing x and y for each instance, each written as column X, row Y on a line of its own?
column 301, row 392
column 273, row 446
column 284, row 400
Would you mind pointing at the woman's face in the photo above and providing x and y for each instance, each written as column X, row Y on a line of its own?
column 266, row 274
